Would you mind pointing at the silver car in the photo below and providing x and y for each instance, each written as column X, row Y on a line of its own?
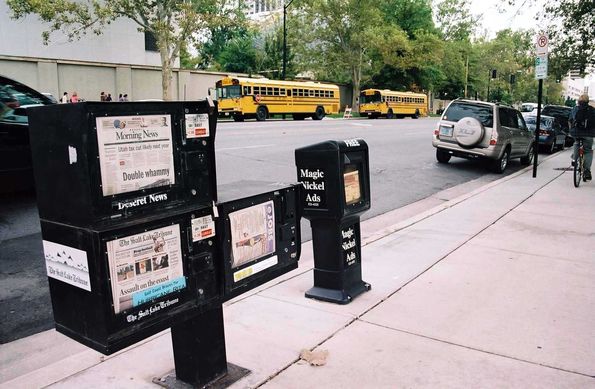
column 479, row 130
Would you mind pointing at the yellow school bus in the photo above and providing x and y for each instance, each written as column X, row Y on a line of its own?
column 374, row 103
column 260, row 98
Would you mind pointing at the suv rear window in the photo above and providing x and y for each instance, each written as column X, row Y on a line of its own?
column 457, row 111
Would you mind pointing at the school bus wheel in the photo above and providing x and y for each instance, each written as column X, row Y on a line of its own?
column 261, row 113
column 319, row 113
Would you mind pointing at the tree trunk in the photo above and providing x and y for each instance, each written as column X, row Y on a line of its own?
column 355, row 79
column 166, row 68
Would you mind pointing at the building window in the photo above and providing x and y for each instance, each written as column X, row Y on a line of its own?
column 150, row 42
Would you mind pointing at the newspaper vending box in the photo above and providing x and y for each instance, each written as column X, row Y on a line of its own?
column 98, row 162
column 113, row 286
column 259, row 233
column 335, row 191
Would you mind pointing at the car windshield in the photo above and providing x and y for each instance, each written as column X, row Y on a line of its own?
column 15, row 95
column 531, row 121
column 457, row 111
column 367, row 99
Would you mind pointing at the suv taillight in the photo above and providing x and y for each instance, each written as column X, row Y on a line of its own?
column 494, row 137
column 437, row 133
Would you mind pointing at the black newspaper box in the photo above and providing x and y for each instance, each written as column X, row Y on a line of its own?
column 114, row 286
column 102, row 161
column 259, row 233
column 335, row 191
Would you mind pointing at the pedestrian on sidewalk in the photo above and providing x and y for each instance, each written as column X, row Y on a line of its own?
column 582, row 125
column 102, row 96
column 109, row 97
column 74, row 98
column 64, row 99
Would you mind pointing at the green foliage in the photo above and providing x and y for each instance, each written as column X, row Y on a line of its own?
column 172, row 22
column 412, row 16
column 572, row 32
column 240, row 55
column 455, row 20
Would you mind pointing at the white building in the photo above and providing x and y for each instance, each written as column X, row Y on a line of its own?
column 574, row 87
column 120, row 43
column 262, row 9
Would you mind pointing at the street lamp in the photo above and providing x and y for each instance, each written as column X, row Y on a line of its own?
column 285, row 5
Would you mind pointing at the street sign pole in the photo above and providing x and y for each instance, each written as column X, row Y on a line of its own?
column 536, row 140
column 541, row 63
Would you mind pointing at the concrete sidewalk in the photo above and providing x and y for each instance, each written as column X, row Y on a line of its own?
column 494, row 288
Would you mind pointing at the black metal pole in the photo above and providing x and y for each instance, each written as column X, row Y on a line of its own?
column 284, row 41
column 537, row 125
column 199, row 347
column 489, row 81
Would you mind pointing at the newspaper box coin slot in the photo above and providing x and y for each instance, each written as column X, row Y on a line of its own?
column 335, row 191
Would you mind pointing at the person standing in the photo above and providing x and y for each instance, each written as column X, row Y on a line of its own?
column 64, row 99
column 102, row 96
column 125, row 97
column 582, row 125
column 74, row 98
column 109, row 97
column 120, row 98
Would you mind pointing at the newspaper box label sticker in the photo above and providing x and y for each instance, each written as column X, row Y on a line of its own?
column 197, row 125
column 203, row 228
column 67, row 264
column 258, row 267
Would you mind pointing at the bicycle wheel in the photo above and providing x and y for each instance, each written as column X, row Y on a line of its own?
column 578, row 171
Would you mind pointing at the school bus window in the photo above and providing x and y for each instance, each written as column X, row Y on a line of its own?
column 311, row 92
column 275, row 91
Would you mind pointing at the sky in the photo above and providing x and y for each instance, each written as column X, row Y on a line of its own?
column 519, row 16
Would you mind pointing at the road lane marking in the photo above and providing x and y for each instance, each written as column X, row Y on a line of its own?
column 244, row 147
column 360, row 124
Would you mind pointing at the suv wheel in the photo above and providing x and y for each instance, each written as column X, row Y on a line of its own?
column 499, row 165
column 528, row 159
column 442, row 156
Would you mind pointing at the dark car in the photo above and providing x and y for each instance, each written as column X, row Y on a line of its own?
column 551, row 136
column 561, row 113
column 16, row 172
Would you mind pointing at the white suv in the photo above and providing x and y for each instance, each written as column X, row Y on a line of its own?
column 479, row 130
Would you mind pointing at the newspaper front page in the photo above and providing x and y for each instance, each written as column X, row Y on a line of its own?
column 145, row 266
column 135, row 152
column 252, row 233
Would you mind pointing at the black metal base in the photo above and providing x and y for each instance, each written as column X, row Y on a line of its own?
column 343, row 297
column 234, row 373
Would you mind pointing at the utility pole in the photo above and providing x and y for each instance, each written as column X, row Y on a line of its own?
column 285, row 5
column 466, row 74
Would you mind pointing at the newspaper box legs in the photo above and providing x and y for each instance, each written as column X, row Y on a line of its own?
column 335, row 191
column 337, row 261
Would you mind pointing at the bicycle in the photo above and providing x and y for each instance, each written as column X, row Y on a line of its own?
column 579, row 164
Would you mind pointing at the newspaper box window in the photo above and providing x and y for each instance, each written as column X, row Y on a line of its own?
column 260, row 234
column 95, row 162
column 335, row 192
column 135, row 153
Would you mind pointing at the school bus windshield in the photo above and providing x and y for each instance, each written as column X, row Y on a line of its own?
column 228, row 92
column 367, row 99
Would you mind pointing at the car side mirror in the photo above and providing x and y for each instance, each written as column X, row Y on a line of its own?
column 20, row 112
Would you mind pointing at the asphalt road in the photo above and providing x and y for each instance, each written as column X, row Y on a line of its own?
column 403, row 170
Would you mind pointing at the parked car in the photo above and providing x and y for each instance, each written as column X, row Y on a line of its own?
column 551, row 136
column 480, row 130
column 529, row 107
column 561, row 113
column 16, row 172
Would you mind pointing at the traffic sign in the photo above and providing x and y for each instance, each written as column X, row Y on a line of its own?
column 541, row 67
column 541, row 44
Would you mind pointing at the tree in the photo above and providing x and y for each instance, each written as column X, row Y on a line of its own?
column 455, row 20
column 241, row 56
column 172, row 22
